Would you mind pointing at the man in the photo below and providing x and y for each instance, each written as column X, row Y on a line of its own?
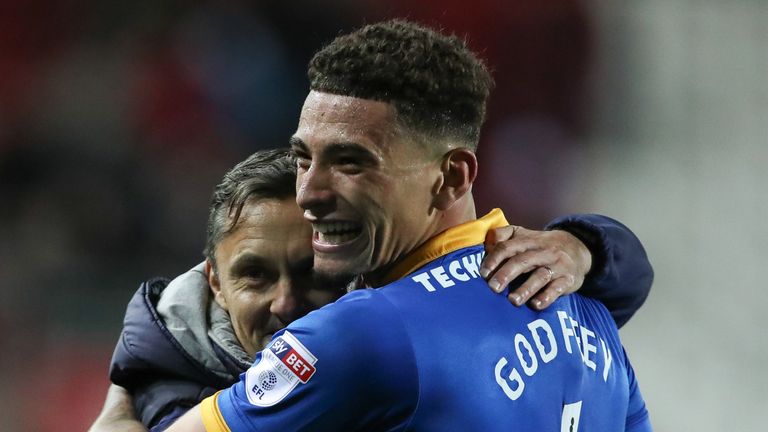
column 180, row 345
column 185, row 339
column 385, row 148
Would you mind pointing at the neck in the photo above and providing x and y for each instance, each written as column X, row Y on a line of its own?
column 463, row 210
column 460, row 212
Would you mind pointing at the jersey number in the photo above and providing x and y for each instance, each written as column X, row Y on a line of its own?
column 571, row 414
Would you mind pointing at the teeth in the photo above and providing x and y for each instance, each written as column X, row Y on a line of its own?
column 333, row 227
column 336, row 232
column 336, row 238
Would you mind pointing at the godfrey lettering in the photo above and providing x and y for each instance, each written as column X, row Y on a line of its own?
column 544, row 349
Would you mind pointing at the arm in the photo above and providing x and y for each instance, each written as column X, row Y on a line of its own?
column 150, row 364
column 307, row 379
column 117, row 413
column 621, row 275
column 596, row 251
column 637, row 413
column 162, row 401
column 192, row 421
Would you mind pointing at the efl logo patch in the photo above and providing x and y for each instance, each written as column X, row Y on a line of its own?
column 284, row 364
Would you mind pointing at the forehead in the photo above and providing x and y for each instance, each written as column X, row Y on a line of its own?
column 327, row 118
column 271, row 229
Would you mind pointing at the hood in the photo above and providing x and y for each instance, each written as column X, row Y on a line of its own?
column 176, row 330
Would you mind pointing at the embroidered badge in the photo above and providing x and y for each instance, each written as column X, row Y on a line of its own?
column 284, row 364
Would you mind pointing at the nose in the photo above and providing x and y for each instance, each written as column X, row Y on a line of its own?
column 289, row 302
column 314, row 191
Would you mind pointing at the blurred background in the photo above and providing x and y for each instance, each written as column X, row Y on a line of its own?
column 118, row 118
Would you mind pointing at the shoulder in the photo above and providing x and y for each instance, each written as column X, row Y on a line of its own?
column 141, row 335
column 146, row 346
column 593, row 310
column 364, row 318
column 347, row 364
column 354, row 344
column 593, row 321
column 152, row 364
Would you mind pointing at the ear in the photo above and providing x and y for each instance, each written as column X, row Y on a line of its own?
column 458, row 172
column 215, row 284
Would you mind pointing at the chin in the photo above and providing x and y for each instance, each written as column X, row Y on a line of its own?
column 338, row 269
column 340, row 280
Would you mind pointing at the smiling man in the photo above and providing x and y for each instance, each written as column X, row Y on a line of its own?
column 186, row 339
column 356, row 183
column 259, row 267
column 386, row 162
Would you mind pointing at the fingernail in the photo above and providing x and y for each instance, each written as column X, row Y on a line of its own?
column 494, row 284
column 484, row 272
column 536, row 303
column 515, row 299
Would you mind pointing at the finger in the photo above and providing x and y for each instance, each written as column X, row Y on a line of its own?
column 505, row 250
column 554, row 290
column 537, row 280
column 497, row 235
column 517, row 265
column 507, row 233
column 492, row 238
column 523, row 232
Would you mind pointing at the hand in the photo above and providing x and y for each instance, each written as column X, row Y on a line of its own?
column 556, row 260
column 118, row 413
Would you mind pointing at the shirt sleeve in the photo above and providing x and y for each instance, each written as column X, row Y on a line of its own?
column 347, row 366
column 621, row 274
column 637, row 414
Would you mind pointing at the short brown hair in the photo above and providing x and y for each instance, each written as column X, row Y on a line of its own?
column 437, row 85
column 267, row 174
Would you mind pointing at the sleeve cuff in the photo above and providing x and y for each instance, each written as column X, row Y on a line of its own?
column 212, row 419
column 592, row 237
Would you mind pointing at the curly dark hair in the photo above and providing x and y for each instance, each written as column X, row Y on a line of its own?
column 437, row 85
column 266, row 174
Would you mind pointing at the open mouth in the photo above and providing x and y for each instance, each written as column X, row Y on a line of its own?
column 336, row 233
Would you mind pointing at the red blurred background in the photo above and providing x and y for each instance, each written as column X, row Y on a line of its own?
column 118, row 118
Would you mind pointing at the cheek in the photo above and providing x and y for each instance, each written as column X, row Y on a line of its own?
column 367, row 189
column 411, row 191
column 250, row 312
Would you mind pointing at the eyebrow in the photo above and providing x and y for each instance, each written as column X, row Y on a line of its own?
column 336, row 148
column 347, row 147
column 246, row 262
column 297, row 144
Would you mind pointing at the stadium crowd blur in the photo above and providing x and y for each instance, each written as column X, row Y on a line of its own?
column 118, row 118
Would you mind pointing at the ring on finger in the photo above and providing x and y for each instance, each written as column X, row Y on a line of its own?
column 550, row 272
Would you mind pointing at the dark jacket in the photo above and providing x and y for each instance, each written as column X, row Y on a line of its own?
column 168, row 371
column 621, row 274
column 173, row 354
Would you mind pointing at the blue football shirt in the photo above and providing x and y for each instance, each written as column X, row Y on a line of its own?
column 438, row 351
